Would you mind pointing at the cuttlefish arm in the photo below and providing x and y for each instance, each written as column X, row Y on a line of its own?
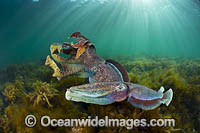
column 68, row 69
column 81, row 45
column 77, row 35
column 65, row 48
column 56, row 49
column 57, row 72
column 70, row 66
column 109, row 92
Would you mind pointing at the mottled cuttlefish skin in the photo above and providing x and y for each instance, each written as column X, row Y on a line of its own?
column 109, row 92
column 98, row 93
column 146, row 98
column 108, row 80
column 89, row 65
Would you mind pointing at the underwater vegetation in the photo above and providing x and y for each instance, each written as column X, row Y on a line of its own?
column 43, row 92
column 12, row 91
column 30, row 89
column 26, row 72
column 180, row 74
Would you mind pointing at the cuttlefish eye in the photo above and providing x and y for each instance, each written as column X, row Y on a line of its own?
column 121, row 87
column 65, row 46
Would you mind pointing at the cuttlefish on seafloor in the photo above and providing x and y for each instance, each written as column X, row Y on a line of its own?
column 108, row 80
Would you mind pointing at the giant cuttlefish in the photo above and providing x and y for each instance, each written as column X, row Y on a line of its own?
column 108, row 80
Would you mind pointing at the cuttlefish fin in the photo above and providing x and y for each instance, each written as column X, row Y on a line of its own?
column 80, row 51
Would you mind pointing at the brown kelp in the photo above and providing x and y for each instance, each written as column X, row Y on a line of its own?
column 176, row 73
column 13, row 91
column 43, row 93
column 21, row 82
column 1, row 104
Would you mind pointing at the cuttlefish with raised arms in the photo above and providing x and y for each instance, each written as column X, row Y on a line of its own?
column 108, row 80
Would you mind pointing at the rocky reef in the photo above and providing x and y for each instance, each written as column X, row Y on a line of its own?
column 30, row 89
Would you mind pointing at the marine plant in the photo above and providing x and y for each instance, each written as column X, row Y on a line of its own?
column 12, row 91
column 182, row 75
column 16, row 114
column 43, row 93
column 4, row 124
column 1, row 104
column 29, row 72
column 69, row 82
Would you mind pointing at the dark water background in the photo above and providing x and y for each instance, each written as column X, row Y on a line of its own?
column 117, row 27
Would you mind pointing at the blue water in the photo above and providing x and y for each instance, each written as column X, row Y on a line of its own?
column 116, row 27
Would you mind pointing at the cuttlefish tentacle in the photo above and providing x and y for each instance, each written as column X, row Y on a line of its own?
column 109, row 92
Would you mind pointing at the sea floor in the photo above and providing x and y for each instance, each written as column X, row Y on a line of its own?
column 30, row 89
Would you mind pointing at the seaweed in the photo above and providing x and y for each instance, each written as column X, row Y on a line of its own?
column 1, row 104
column 69, row 82
column 13, row 91
column 4, row 124
column 182, row 75
column 26, row 72
column 17, row 113
column 30, row 89
column 43, row 92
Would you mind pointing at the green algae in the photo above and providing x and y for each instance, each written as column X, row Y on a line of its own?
column 23, row 84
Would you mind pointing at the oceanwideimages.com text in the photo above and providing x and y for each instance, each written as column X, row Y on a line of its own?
column 47, row 121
